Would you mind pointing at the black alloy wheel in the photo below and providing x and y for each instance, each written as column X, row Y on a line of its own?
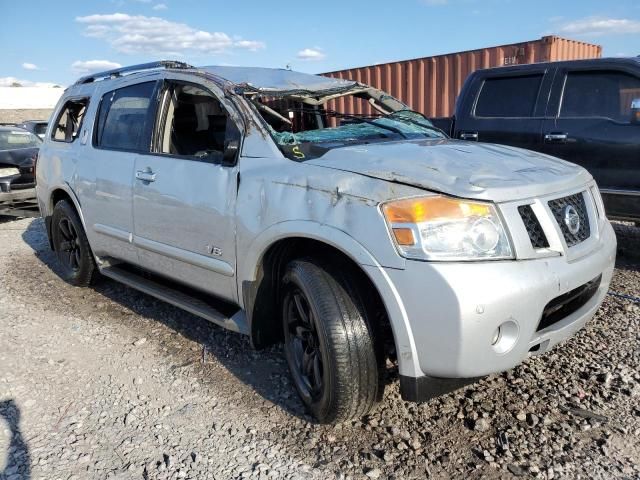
column 303, row 345
column 328, row 341
column 72, row 248
column 69, row 246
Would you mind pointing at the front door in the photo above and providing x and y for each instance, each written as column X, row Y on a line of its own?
column 591, row 124
column 184, row 192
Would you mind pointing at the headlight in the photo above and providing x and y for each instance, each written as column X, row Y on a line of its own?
column 8, row 171
column 444, row 228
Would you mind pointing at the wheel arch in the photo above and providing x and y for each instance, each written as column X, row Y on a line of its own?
column 58, row 194
column 270, row 252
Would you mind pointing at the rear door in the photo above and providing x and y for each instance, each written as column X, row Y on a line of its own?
column 105, row 172
column 590, row 123
column 184, row 191
column 506, row 107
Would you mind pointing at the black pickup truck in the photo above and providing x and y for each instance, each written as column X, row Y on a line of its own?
column 584, row 111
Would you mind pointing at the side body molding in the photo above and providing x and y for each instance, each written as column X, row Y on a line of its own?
column 186, row 256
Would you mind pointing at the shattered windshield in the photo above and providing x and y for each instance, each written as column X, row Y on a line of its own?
column 306, row 127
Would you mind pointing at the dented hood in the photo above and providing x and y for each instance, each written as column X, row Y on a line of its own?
column 472, row 170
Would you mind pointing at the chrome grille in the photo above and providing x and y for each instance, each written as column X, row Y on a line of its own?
column 561, row 206
column 534, row 229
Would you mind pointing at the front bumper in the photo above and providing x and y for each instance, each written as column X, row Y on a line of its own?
column 453, row 310
column 19, row 203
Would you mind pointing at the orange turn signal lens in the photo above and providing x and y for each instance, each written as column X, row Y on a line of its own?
column 404, row 236
column 415, row 210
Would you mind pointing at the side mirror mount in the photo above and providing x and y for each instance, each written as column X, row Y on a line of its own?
column 635, row 111
column 232, row 142
column 231, row 150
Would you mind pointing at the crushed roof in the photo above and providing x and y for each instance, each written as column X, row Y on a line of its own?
column 278, row 79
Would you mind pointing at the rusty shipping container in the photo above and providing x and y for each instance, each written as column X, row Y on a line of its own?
column 431, row 84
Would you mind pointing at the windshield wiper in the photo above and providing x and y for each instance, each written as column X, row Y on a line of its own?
column 370, row 122
column 428, row 127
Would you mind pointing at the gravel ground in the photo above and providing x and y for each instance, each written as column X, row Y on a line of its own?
column 110, row 383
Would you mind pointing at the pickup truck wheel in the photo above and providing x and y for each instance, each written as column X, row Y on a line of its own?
column 328, row 343
column 71, row 245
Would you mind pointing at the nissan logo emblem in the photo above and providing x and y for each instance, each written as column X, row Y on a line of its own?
column 572, row 219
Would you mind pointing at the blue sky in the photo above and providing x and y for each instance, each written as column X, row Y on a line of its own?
column 56, row 41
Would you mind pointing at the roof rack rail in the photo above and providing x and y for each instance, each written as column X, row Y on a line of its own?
column 117, row 72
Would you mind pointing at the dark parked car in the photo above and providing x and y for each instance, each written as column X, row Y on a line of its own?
column 583, row 111
column 18, row 153
column 37, row 127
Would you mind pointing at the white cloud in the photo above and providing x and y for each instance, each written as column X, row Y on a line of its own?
column 80, row 67
column 600, row 26
column 250, row 45
column 311, row 54
column 11, row 81
column 139, row 34
column 160, row 6
column 29, row 66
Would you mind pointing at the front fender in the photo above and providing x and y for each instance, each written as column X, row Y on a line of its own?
column 248, row 268
column 248, row 264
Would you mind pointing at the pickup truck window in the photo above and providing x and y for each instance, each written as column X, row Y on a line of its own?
column 122, row 117
column 599, row 94
column 508, row 96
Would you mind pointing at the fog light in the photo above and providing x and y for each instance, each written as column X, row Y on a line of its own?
column 496, row 336
column 505, row 336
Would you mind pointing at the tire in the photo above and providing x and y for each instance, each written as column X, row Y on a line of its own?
column 328, row 343
column 70, row 243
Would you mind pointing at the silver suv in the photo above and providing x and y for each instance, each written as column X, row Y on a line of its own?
column 326, row 214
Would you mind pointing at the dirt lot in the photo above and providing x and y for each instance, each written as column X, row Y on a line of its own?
column 15, row 116
column 109, row 383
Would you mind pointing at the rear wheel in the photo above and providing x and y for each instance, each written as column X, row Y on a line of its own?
column 328, row 342
column 71, row 245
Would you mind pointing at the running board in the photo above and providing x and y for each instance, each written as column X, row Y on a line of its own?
column 192, row 303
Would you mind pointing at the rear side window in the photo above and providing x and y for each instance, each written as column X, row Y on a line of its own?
column 508, row 96
column 599, row 94
column 123, row 116
column 67, row 126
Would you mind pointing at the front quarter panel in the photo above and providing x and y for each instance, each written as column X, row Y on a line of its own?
column 279, row 198
column 299, row 198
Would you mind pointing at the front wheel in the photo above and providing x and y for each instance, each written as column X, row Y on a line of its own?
column 71, row 245
column 328, row 343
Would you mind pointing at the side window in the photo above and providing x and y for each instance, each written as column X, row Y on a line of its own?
column 195, row 124
column 123, row 116
column 508, row 96
column 599, row 94
column 69, row 122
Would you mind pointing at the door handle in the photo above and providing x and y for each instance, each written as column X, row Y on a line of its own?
column 556, row 137
column 472, row 136
column 146, row 175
